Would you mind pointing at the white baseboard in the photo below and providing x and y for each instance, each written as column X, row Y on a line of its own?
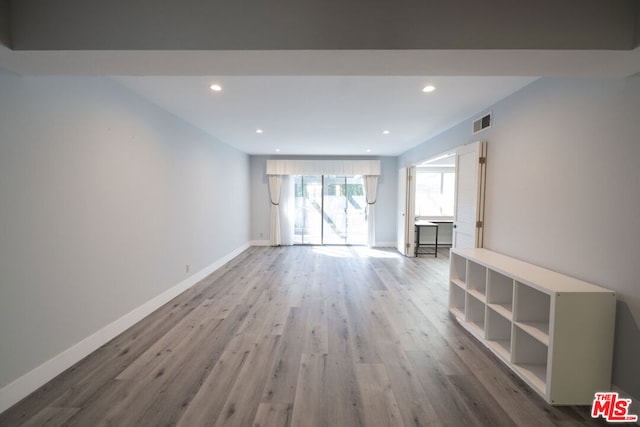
column 20, row 388
column 260, row 243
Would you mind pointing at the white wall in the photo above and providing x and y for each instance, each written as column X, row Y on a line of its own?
column 563, row 189
column 386, row 199
column 387, row 202
column 104, row 200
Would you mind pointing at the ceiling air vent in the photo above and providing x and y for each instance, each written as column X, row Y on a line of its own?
column 482, row 123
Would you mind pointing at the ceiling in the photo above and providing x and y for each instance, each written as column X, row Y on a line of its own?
column 324, row 115
column 323, row 97
column 324, row 102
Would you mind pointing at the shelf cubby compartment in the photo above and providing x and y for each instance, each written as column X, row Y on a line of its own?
column 530, row 359
column 500, row 293
column 474, row 315
column 532, row 312
column 477, row 280
column 564, row 355
column 458, row 270
column 498, row 334
column 457, row 301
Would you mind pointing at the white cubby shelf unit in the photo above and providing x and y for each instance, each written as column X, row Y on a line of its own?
column 554, row 331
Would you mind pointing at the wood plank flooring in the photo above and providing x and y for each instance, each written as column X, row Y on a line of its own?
column 300, row 336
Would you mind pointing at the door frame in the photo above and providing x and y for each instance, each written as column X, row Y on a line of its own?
column 406, row 210
column 406, row 196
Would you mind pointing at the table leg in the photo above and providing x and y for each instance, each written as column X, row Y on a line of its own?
column 436, row 251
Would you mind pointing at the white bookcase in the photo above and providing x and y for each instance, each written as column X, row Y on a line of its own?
column 554, row 331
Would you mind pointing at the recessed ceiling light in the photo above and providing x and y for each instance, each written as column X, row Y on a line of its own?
column 258, row 130
column 368, row 150
column 428, row 88
column 278, row 150
column 215, row 87
column 386, row 132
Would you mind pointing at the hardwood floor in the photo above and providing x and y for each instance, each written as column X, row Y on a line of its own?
column 302, row 336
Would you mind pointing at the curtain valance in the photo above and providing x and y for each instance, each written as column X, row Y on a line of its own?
column 323, row 167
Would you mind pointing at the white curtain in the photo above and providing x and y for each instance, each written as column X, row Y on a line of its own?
column 323, row 167
column 275, row 182
column 287, row 209
column 370, row 191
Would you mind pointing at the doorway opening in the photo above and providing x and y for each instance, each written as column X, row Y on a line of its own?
column 435, row 198
column 329, row 210
column 462, row 228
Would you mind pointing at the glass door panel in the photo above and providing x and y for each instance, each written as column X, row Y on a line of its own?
column 356, row 209
column 308, row 208
column 335, row 211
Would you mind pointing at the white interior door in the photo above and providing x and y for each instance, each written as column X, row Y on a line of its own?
column 468, row 221
column 406, row 210
column 402, row 206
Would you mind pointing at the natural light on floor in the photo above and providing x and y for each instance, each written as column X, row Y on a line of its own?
column 360, row 251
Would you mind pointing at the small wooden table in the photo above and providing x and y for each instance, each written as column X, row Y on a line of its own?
column 419, row 225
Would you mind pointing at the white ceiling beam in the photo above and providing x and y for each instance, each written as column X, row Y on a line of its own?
column 323, row 25
column 325, row 63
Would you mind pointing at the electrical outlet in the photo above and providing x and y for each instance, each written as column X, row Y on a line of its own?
column 187, row 268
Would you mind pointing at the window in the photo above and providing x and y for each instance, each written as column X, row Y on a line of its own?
column 435, row 192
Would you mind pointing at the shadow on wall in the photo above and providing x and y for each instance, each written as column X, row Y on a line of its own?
column 5, row 27
column 626, row 351
column 637, row 5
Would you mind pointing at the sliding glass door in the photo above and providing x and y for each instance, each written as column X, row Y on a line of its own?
column 330, row 210
column 308, row 205
column 356, row 211
column 344, row 211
